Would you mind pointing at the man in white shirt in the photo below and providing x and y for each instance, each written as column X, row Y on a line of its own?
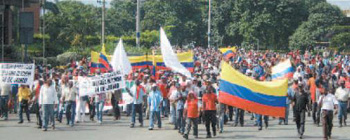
column 342, row 95
column 137, row 92
column 47, row 100
column 328, row 103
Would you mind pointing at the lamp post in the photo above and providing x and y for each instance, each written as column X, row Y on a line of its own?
column 103, row 21
column 209, row 23
column 138, row 34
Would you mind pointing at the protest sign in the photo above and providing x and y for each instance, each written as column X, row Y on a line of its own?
column 14, row 73
column 104, row 83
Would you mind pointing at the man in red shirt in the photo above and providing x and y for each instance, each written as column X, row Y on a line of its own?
column 209, row 106
column 191, row 112
column 163, row 87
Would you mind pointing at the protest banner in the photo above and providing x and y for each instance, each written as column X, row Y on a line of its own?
column 104, row 83
column 15, row 73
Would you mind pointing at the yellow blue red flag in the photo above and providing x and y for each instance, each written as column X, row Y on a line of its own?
column 265, row 98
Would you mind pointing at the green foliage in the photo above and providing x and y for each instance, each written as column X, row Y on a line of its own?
column 341, row 40
column 270, row 24
column 322, row 18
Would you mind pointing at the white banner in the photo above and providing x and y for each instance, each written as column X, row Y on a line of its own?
column 120, row 59
column 169, row 57
column 104, row 83
column 14, row 73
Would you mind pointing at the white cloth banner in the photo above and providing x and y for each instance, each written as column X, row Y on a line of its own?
column 120, row 59
column 104, row 83
column 169, row 57
column 15, row 73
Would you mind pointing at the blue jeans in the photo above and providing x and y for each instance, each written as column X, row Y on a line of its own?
column 25, row 108
column 60, row 109
column 154, row 114
column 180, row 121
column 222, row 121
column 4, row 107
column 165, row 107
column 342, row 111
column 172, row 118
column 70, row 112
column 136, row 108
column 99, row 110
column 259, row 120
column 239, row 116
column 48, row 114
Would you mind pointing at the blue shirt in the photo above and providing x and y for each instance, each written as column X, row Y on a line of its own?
column 154, row 100
column 181, row 103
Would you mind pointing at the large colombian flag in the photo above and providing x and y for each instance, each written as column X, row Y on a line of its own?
column 265, row 98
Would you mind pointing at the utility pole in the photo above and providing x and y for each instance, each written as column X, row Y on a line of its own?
column 2, row 34
column 103, row 22
column 44, row 31
column 209, row 23
column 138, row 34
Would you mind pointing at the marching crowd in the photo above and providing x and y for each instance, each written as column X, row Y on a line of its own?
column 319, row 89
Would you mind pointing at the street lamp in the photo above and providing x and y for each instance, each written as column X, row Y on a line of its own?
column 103, row 20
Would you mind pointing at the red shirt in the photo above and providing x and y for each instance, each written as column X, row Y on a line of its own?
column 209, row 101
column 192, row 108
column 163, row 89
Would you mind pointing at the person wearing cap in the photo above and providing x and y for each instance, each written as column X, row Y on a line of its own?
column 328, row 103
column 137, row 92
column 191, row 112
column 300, row 102
column 154, row 101
column 342, row 95
column 209, row 106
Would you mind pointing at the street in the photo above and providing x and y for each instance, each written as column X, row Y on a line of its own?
column 114, row 130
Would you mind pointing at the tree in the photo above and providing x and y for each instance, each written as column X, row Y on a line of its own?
column 322, row 17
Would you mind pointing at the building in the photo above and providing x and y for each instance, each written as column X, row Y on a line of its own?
column 8, row 15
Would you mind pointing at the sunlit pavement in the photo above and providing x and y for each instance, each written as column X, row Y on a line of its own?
column 120, row 130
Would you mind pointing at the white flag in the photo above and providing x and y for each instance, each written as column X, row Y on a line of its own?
column 120, row 59
column 169, row 57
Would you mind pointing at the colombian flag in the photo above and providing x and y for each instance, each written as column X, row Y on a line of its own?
column 228, row 54
column 265, row 98
column 104, row 61
column 283, row 70
column 185, row 58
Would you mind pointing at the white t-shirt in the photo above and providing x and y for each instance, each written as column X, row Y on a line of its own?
column 328, row 102
column 342, row 94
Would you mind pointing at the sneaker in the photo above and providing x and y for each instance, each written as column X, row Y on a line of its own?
column 45, row 129
column 235, row 125
column 39, row 127
column 20, row 122
column 150, row 128
column 260, row 128
column 220, row 131
column 53, row 127
column 141, row 125
column 185, row 136
column 208, row 136
column 132, row 126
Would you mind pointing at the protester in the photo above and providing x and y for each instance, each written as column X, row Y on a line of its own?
column 47, row 100
column 23, row 98
column 69, row 93
column 300, row 102
column 136, row 92
column 154, row 102
column 209, row 106
column 342, row 94
column 328, row 103
column 191, row 112
column 99, row 104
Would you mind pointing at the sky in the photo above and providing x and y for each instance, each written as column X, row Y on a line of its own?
column 343, row 4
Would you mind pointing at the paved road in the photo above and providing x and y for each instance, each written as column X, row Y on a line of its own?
column 119, row 130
